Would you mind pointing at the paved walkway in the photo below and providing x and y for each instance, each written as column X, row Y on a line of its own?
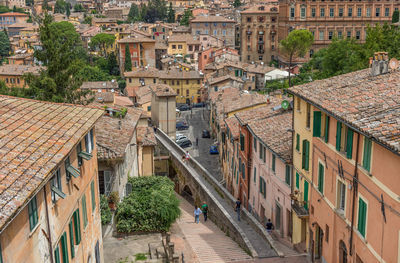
column 262, row 247
column 207, row 241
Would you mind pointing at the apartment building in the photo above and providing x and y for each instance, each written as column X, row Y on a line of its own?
column 217, row 26
column 258, row 33
column 142, row 51
column 9, row 18
column 49, row 189
column 326, row 19
column 183, row 46
column 12, row 74
column 346, row 164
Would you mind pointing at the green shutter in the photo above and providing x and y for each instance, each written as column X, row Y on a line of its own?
column 320, row 178
column 1, row 255
column 317, row 124
column 93, row 195
column 77, row 223
column 84, row 211
column 338, row 135
column 305, row 198
column 71, row 238
column 264, row 188
column 367, row 154
column 307, row 162
column 298, row 142
column 260, row 182
column 349, row 144
column 326, row 128
column 273, row 162
column 255, row 174
column 33, row 214
column 241, row 142
column 237, row 176
column 303, row 154
column 57, row 254
column 297, row 180
column 64, row 248
column 362, row 216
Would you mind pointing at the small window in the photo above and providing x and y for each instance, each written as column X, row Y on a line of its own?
column 241, row 142
column 321, row 177
column 178, row 82
column 321, row 35
column 179, row 46
column 367, row 154
column 287, row 175
column 292, row 12
column 255, row 174
column 358, row 35
column 340, row 12
column 322, row 12
column 93, row 194
column 89, row 142
column 33, row 213
column 368, row 11
column 362, row 217
column 77, row 226
column 331, row 12
column 340, row 34
column 56, row 186
column 297, row 180
column 359, row 12
column 326, row 233
column 78, row 151
column 273, row 163
column 70, row 170
column 350, row 12
column 84, row 211
column 348, row 34
column 387, row 11
column 248, row 19
column 255, row 144
column 173, row 46
column 308, row 116
column 378, row 12
column 297, row 142
column 303, row 12
column 306, row 155
column 330, row 35
column 312, row 12
column 341, row 196
column 148, row 108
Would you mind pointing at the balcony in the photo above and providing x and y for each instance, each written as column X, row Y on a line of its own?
column 299, row 209
column 261, row 51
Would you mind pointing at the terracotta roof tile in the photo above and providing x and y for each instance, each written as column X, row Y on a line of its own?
column 145, row 136
column 233, row 124
column 368, row 104
column 35, row 137
column 114, row 134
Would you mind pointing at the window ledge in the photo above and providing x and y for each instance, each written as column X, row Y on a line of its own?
column 34, row 230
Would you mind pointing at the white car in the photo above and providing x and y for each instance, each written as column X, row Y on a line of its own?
column 181, row 138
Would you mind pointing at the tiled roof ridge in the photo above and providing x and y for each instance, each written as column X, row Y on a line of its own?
column 107, row 148
column 55, row 103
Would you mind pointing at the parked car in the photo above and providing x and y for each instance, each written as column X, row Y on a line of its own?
column 185, row 143
column 184, row 107
column 181, row 126
column 205, row 134
column 199, row 105
column 213, row 149
column 179, row 135
column 181, row 138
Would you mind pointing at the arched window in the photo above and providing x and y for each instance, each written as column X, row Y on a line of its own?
column 342, row 252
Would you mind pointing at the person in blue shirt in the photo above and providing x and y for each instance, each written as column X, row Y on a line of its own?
column 197, row 212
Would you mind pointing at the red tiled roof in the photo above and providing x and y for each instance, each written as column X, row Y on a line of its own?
column 145, row 136
column 13, row 14
column 368, row 104
column 35, row 137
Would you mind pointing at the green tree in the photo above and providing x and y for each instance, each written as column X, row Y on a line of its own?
column 395, row 16
column 134, row 14
column 61, row 54
column 186, row 17
column 45, row 6
column 237, row 3
column 112, row 64
column 29, row 2
column 128, row 61
column 4, row 46
column 79, row 8
column 383, row 38
column 151, row 206
column 68, row 9
column 87, row 20
column 101, row 41
column 171, row 14
column 296, row 44
column 60, row 6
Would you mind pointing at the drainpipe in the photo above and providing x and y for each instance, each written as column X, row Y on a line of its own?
column 355, row 188
column 167, row 117
column 48, row 225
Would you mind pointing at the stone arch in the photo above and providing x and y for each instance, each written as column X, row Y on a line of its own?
column 187, row 193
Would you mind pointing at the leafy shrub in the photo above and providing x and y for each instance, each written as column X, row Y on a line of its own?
column 104, row 210
column 151, row 207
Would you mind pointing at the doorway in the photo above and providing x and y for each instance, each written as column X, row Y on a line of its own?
column 342, row 252
column 319, row 233
column 262, row 215
column 278, row 217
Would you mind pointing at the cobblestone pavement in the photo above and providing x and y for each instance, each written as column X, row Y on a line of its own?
column 207, row 241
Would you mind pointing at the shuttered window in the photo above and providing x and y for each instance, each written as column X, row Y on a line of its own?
column 321, row 171
column 260, row 151
column 338, row 135
column 71, row 238
column 273, row 162
column 297, row 180
column 241, row 142
column 306, row 155
column 349, row 144
column 263, row 187
column 264, row 154
column 298, row 142
column 1, row 255
column 33, row 213
column 57, row 254
column 255, row 144
column 93, row 194
column 255, row 174
column 317, row 124
column 64, row 248
column 305, row 197
column 362, row 216
column 287, row 175
column 367, row 154
column 84, row 211
column 77, row 227
column 326, row 135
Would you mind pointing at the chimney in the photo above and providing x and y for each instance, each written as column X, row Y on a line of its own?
column 379, row 63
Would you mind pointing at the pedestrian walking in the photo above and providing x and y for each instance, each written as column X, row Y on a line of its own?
column 269, row 226
column 187, row 156
column 155, row 129
column 237, row 208
column 204, row 209
column 197, row 213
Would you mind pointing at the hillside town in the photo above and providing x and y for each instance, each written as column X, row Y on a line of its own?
column 199, row 131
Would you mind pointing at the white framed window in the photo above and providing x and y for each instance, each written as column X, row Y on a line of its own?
column 56, row 186
column 321, row 35
column 341, row 196
column 303, row 12
column 89, row 143
column 368, row 11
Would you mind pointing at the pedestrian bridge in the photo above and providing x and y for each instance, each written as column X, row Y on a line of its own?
column 194, row 180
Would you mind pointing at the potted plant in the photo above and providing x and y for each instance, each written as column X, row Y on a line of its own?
column 113, row 199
